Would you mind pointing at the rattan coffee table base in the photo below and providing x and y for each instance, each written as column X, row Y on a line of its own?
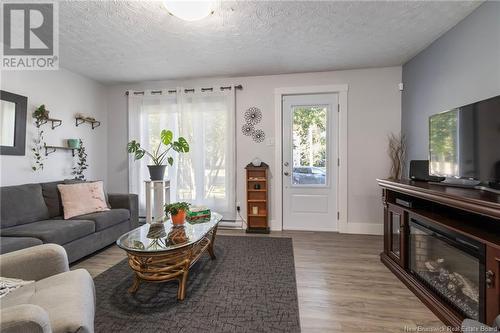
column 169, row 265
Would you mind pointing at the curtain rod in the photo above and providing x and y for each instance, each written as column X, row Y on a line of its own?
column 159, row 92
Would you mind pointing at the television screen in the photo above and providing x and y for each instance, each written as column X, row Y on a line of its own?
column 465, row 142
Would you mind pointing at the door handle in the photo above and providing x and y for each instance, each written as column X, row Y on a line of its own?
column 286, row 173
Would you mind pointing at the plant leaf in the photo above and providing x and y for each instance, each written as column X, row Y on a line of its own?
column 133, row 146
column 139, row 154
column 170, row 160
column 166, row 137
column 181, row 146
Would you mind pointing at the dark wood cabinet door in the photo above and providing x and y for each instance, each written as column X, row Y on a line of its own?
column 492, row 284
column 396, row 222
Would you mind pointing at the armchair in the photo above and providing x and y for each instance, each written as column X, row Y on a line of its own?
column 59, row 300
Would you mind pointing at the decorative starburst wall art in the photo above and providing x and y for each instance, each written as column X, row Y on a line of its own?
column 247, row 129
column 253, row 116
column 258, row 136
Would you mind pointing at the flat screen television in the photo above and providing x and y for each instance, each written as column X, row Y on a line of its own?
column 464, row 143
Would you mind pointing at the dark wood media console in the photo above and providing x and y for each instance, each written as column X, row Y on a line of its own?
column 443, row 243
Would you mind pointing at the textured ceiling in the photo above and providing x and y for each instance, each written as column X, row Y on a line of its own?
column 117, row 41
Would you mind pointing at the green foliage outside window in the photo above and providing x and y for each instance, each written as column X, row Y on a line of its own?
column 443, row 137
column 309, row 131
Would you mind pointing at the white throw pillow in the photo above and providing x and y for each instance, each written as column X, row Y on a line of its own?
column 82, row 198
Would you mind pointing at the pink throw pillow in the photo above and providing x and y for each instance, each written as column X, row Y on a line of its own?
column 82, row 198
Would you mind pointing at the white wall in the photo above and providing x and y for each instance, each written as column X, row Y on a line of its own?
column 64, row 93
column 374, row 111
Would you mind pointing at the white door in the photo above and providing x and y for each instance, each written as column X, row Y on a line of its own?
column 310, row 157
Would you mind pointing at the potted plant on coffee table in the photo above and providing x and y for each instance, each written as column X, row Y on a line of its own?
column 158, row 155
column 177, row 212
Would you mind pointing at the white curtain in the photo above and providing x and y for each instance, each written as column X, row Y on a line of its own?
column 205, row 175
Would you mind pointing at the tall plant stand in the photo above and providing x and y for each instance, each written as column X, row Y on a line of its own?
column 157, row 194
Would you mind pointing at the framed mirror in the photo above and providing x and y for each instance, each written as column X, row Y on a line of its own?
column 13, row 112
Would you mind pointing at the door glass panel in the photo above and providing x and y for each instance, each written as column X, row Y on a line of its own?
column 309, row 145
column 396, row 230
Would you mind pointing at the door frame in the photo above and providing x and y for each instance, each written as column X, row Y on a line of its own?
column 341, row 186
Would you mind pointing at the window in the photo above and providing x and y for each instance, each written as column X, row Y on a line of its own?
column 206, row 175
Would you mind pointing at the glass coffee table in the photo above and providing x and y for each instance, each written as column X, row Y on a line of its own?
column 160, row 252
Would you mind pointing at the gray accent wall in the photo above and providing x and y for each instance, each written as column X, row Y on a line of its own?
column 461, row 67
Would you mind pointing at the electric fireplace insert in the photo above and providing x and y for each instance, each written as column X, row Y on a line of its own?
column 450, row 264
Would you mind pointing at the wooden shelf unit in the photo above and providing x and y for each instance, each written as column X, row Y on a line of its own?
column 257, row 197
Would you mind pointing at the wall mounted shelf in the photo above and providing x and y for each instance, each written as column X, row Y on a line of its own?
column 54, row 122
column 52, row 149
column 93, row 123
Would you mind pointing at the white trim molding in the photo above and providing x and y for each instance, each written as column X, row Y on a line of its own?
column 341, row 90
column 364, row 228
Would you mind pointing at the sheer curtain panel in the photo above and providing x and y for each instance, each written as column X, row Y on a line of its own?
column 204, row 176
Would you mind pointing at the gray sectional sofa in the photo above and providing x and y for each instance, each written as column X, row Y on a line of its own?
column 32, row 214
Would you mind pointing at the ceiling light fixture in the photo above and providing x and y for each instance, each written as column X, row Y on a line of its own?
column 189, row 10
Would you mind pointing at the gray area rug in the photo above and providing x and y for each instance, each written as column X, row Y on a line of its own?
column 250, row 287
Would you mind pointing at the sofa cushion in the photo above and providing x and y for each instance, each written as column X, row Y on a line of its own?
column 22, row 204
column 82, row 198
column 106, row 219
column 52, row 198
column 53, row 231
column 9, row 244
column 69, row 299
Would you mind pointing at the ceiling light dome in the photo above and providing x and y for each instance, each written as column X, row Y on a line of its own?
column 189, row 10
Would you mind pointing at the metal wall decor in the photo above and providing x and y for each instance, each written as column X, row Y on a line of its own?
column 253, row 116
column 258, row 136
column 247, row 129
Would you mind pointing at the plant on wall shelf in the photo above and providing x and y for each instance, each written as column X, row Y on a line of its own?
column 37, row 148
column 158, row 156
column 81, row 164
column 40, row 114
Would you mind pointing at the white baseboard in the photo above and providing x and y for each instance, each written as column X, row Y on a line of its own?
column 349, row 228
column 362, row 228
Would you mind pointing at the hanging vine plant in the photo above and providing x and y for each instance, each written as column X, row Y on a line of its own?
column 39, row 115
column 81, row 164
column 37, row 149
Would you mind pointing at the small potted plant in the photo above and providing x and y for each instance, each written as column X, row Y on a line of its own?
column 40, row 114
column 158, row 156
column 177, row 212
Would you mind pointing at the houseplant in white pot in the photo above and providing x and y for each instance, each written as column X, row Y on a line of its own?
column 159, row 155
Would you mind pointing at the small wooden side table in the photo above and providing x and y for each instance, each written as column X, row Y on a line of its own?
column 159, row 191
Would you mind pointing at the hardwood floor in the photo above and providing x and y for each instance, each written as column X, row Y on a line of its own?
column 341, row 284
